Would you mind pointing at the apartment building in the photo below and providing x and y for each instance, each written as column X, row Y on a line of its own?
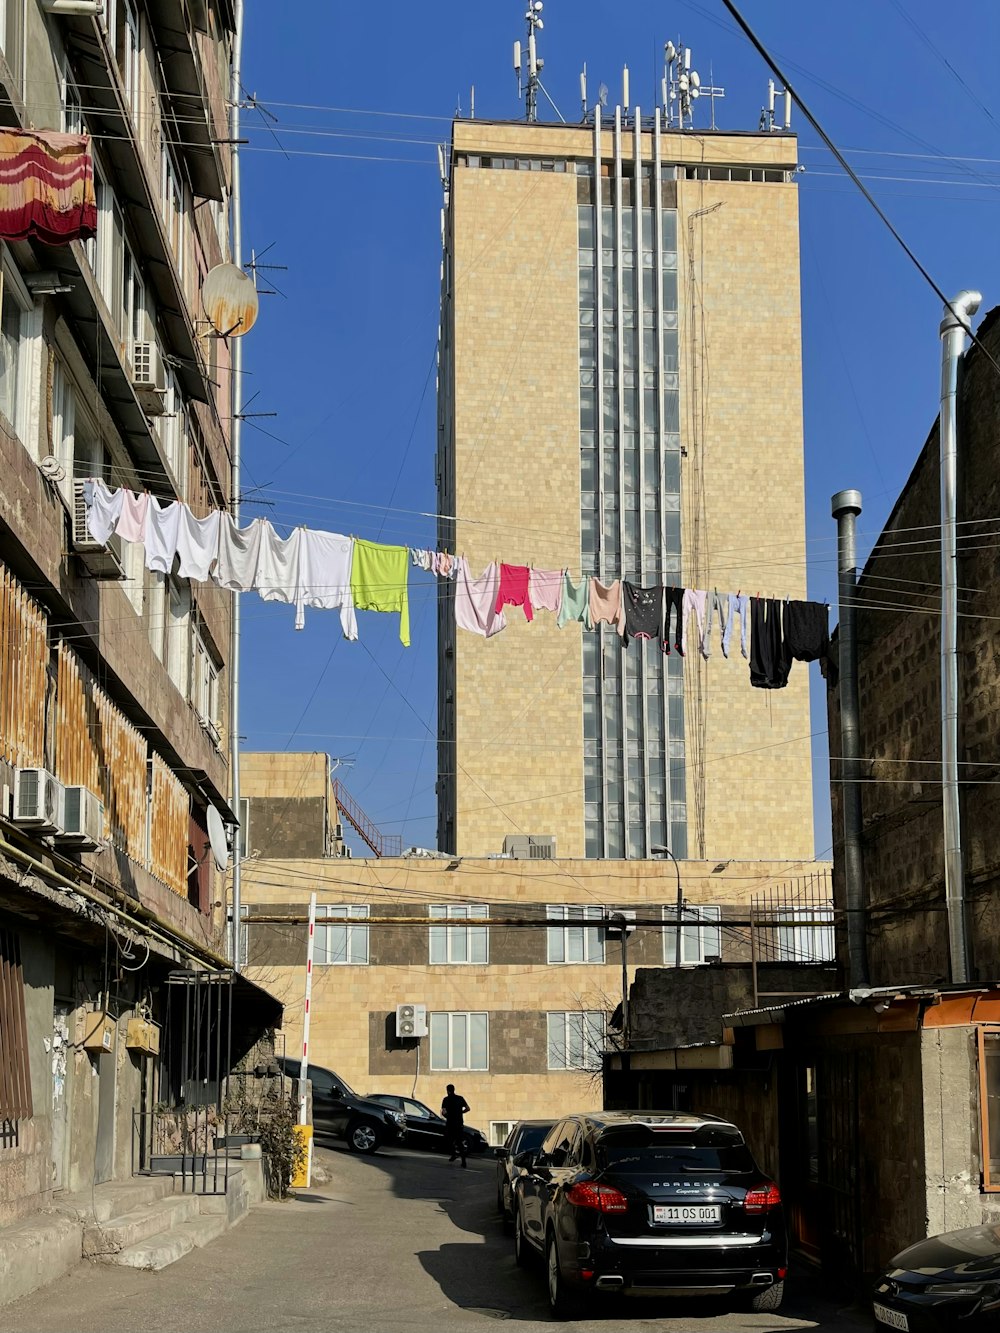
column 620, row 395
column 113, row 679
column 514, row 964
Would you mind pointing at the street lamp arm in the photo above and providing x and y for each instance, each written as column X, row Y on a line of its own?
column 665, row 851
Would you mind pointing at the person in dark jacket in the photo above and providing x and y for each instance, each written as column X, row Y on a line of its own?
column 453, row 1108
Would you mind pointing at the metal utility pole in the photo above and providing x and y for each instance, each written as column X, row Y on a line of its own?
column 846, row 506
column 235, row 399
column 665, row 851
column 621, row 922
column 954, row 328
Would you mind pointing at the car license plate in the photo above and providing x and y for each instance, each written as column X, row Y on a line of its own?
column 688, row 1214
column 891, row 1317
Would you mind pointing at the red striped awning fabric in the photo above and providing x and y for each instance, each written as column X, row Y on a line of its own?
column 46, row 186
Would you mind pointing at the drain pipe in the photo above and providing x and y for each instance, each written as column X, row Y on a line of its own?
column 954, row 328
column 236, row 408
column 846, row 506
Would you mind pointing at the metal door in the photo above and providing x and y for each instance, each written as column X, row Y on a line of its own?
column 104, row 1157
column 842, row 1234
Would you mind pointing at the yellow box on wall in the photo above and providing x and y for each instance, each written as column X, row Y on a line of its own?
column 142, row 1035
column 98, row 1032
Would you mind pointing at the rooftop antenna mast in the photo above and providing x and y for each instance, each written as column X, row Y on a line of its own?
column 681, row 87
column 768, row 124
column 529, row 64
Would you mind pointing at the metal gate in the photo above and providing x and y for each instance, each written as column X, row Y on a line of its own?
column 185, row 1134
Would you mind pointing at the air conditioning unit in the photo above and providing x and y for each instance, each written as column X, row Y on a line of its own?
column 338, row 832
column 148, row 378
column 411, row 1020
column 613, row 926
column 38, row 800
column 83, row 819
column 346, row 851
column 102, row 561
column 530, row 847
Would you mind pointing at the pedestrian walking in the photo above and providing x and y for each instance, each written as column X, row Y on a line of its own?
column 453, row 1108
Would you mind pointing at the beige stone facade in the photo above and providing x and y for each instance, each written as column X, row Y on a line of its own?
column 511, row 708
column 353, row 1004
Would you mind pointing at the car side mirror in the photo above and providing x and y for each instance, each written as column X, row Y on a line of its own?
column 336, row 1092
column 527, row 1160
column 501, row 1153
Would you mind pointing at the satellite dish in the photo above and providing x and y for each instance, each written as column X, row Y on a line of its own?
column 217, row 838
column 51, row 467
column 230, row 300
column 602, row 94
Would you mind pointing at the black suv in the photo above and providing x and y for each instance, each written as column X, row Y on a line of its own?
column 649, row 1205
column 340, row 1113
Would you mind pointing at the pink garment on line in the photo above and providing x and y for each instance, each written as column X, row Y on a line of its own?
column 131, row 526
column 545, row 589
column 513, row 589
column 475, row 600
column 605, row 603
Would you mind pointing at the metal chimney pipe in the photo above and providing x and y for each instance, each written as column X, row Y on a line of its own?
column 954, row 328
column 846, row 506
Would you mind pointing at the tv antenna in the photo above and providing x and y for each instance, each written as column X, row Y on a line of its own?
column 255, row 266
column 528, row 65
column 682, row 86
column 767, row 121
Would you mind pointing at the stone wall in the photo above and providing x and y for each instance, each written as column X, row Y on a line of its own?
column 900, row 713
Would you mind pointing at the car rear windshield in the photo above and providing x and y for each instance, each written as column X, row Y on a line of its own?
column 638, row 1150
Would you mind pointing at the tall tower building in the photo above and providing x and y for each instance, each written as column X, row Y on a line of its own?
column 620, row 394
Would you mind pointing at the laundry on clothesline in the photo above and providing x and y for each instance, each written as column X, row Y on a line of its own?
column 328, row 571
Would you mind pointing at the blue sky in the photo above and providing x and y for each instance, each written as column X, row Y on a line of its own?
column 345, row 355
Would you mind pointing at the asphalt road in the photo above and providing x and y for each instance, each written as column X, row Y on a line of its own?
column 396, row 1243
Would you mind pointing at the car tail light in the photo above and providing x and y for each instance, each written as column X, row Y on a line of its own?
column 762, row 1200
column 602, row 1198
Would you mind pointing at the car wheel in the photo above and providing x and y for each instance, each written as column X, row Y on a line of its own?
column 522, row 1254
column 563, row 1301
column 363, row 1137
column 768, row 1298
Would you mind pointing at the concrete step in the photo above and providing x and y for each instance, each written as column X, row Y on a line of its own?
column 36, row 1251
column 102, row 1240
column 159, row 1251
column 114, row 1199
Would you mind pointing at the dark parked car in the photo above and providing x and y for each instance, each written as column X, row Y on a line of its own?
column 951, row 1281
column 425, row 1128
column 340, row 1113
column 649, row 1205
column 525, row 1135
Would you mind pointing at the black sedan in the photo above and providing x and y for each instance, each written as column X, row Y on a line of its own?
column 525, row 1135
column 951, row 1281
column 636, row 1203
column 425, row 1128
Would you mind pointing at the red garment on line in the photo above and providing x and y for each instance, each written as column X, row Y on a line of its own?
column 513, row 590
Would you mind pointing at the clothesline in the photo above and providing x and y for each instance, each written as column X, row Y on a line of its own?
column 332, row 571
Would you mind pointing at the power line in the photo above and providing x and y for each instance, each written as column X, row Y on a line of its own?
column 852, row 174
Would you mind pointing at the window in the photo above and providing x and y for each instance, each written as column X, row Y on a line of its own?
column 575, row 943
column 172, row 430
column 810, row 942
column 205, row 687
column 132, row 310
column 15, row 1086
column 576, row 1040
column 14, row 346
column 458, row 944
column 177, row 657
column 342, row 944
column 700, row 938
column 128, row 54
column 72, row 104
column 64, row 423
column 12, row 35
column 172, row 204
column 459, row 1041
column 499, row 1130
